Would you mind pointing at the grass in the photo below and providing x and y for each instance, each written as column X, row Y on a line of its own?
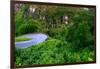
column 19, row 39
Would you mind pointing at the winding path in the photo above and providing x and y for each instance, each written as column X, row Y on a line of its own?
column 36, row 38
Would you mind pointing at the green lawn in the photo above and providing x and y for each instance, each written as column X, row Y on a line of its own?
column 18, row 39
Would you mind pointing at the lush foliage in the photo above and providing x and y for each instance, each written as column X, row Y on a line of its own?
column 52, row 51
column 67, row 43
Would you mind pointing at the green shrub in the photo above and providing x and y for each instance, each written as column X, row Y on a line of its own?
column 59, row 32
column 31, row 26
column 27, row 28
column 52, row 51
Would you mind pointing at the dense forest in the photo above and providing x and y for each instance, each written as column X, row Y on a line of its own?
column 70, row 31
